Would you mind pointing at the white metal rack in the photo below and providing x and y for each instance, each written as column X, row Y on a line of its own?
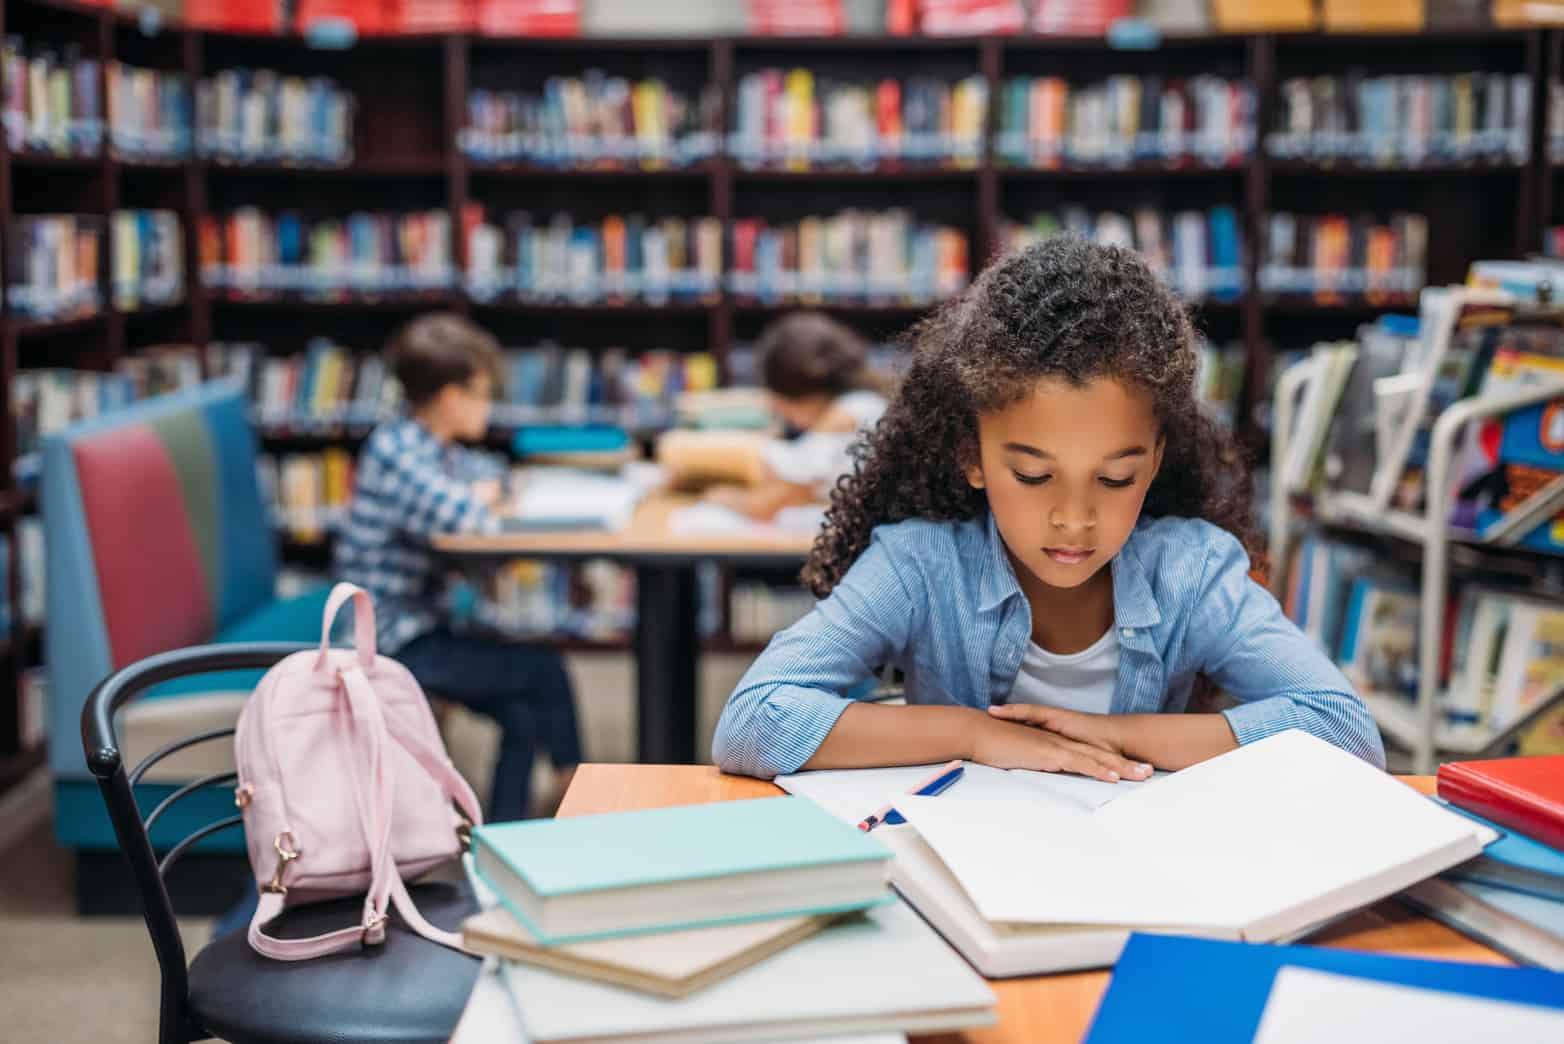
column 1417, row 727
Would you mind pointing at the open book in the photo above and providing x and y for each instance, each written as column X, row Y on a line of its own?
column 1026, row 873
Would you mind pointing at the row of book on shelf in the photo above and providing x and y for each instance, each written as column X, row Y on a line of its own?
column 1046, row 121
column 794, row 119
column 43, row 401
column 52, row 105
column 54, row 263
column 593, row 119
column 1404, row 120
column 1501, row 655
column 249, row 252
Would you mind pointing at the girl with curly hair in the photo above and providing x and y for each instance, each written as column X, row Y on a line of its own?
column 1053, row 542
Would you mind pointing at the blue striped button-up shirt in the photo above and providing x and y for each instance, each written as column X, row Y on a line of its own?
column 940, row 601
column 409, row 487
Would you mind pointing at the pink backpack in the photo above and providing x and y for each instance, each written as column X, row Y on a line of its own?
column 345, row 788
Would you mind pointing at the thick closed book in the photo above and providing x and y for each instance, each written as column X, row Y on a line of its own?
column 669, row 964
column 1175, row 990
column 594, row 877
column 1524, row 794
column 1522, row 926
column 884, row 971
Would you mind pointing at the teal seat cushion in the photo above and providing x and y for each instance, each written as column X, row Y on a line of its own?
column 82, row 821
column 281, row 620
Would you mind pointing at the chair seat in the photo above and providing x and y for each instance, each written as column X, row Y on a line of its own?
column 408, row 990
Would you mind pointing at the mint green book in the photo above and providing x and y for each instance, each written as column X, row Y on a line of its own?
column 668, row 869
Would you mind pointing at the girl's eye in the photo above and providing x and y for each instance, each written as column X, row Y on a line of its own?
column 1117, row 483
column 1031, row 480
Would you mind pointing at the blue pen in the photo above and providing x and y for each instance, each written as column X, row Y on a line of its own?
column 938, row 783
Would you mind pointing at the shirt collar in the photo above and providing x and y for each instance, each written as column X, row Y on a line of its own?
column 1133, row 603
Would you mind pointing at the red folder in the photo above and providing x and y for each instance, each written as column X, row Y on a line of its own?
column 1524, row 794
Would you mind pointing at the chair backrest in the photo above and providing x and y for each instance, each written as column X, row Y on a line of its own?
column 95, row 725
column 156, row 536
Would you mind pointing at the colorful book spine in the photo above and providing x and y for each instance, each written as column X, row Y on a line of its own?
column 618, row 260
column 797, row 120
column 53, row 270
column 250, row 253
column 149, row 113
column 1403, row 120
column 1198, row 253
column 1047, row 122
column 594, row 120
column 53, row 103
column 868, row 257
column 262, row 116
column 44, row 401
column 1334, row 258
column 147, row 256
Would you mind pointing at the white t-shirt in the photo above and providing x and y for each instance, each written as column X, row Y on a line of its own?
column 1081, row 681
column 817, row 459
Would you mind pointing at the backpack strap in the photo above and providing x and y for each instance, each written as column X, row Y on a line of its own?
column 363, row 624
column 373, row 794
column 438, row 764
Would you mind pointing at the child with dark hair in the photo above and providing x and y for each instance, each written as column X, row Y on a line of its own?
column 1052, row 541
column 821, row 386
column 414, row 482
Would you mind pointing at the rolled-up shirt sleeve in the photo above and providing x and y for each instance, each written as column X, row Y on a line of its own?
column 1280, row 677
column 791, row 697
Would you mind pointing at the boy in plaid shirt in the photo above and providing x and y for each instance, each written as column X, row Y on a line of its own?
column 415, row 482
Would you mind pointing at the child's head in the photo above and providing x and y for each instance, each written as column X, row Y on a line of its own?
column 1058, row 393
column 806, row 360
column 446, row 367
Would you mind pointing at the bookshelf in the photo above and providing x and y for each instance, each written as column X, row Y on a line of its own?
column 412, row 101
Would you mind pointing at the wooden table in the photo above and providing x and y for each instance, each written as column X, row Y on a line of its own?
column 1038, row 1010
column 667, row 637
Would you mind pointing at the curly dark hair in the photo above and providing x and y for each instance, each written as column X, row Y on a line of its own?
column 1062, row 308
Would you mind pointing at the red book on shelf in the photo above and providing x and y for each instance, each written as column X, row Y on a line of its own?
column 1524, row 794
column 248, row 16
column 796, row 17
column 529, row 17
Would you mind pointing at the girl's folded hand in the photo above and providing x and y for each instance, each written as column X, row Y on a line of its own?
column 1007, row 744
column 1098, row 731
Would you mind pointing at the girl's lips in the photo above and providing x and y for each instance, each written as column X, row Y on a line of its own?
column 1068, row 555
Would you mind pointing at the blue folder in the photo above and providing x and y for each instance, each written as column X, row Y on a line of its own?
column 1172, row 989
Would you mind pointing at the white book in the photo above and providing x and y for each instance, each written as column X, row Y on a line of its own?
column 884, row 972
column 1298, row 832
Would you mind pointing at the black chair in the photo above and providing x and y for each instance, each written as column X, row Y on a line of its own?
column 407, row 990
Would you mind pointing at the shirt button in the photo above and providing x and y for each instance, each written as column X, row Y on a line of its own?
column 1128, row 632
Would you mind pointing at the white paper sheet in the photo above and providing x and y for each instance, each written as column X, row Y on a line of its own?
column 1307, row 1006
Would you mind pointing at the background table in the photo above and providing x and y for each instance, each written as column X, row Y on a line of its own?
column 1037, row 1010
column 667, row 635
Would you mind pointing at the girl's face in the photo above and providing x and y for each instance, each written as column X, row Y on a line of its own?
column 1066, row 470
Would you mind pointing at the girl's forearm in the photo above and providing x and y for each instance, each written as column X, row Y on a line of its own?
column 872, row 735
column 1173, row 741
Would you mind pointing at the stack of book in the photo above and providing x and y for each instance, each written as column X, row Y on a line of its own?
column 1199, row 254
column 788, row 118
column 1333, row 257
column 52, row 266
column 52, row 100
column 1047, row 122
column 856, row 256
column 262, row 116
column 149, row 113
column 1512, row 896
column 741, row 920
column 1404, row 121
column 249, row 253
column 620, row 259
column 148, row 258
column 594, row 120
column 309, row 492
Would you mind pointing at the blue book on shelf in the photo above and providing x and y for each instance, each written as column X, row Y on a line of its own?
column 534, row 440
column 1514, row 861
column 1173, row 989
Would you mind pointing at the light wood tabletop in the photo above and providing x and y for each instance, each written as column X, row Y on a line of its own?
column 649, row 535
column 1048, row 1009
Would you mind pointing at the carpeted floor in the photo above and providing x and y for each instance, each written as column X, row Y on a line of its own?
column 65, row 979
